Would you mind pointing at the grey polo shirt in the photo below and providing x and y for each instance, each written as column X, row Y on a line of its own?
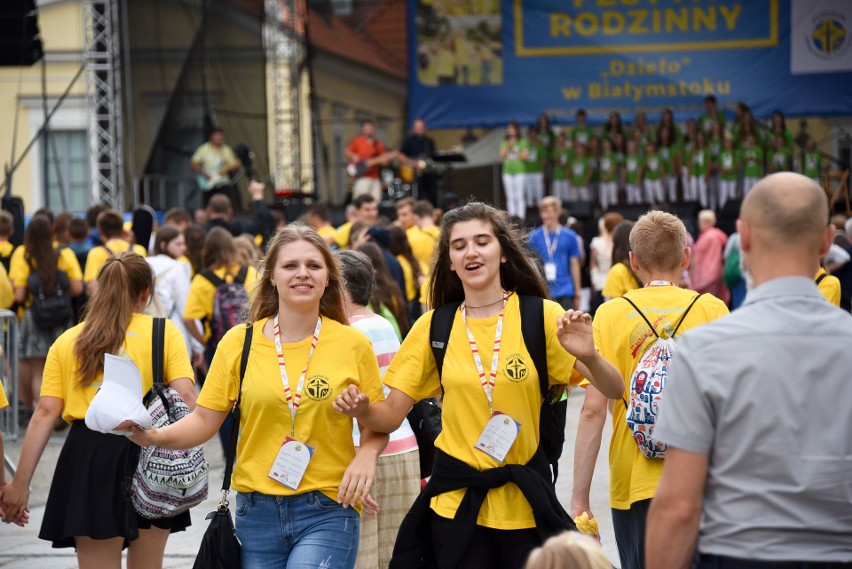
column 767, row 393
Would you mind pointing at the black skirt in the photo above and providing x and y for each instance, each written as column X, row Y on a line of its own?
column 89, row 495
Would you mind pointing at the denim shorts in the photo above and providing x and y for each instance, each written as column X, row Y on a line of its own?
column 304, row 531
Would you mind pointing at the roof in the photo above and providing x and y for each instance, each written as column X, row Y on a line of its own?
column 387, row 26
column 332, row 34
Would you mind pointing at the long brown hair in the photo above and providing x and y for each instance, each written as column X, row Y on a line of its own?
column 264, row 297
column 219, row 249
column 121, row 282
column 518, row 274
column 400, row 245
column 39, row 251
column 387, row 290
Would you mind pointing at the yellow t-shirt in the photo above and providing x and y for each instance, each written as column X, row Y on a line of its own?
column 465, row 411
column 98, row 255
column 7, row 295
column 264, row 415
column 829, row 286
column 202, row 294
column 411, row 292
column 341, row 235
column 3, row 401
column 61, row 378
column 619, row 280
column 328, row 233
column 622, row 336
column 422, row 244
column 6, row 249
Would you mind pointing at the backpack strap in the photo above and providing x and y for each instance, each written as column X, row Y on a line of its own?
column 158, row 339
column 642, row 314
column 532, row 330
column 235, row 413
column 211, row 276
column 819, row 278
column 685, row 312
column 241, row 276
column 439, row 333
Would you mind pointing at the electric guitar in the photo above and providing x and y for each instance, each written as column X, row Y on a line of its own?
column 216, row 180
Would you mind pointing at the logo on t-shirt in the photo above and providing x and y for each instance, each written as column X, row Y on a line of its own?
column 318, row 388
column 516, row 368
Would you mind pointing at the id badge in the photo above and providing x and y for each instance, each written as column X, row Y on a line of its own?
column 498, row 436
column 291, row 463
column 550, row 272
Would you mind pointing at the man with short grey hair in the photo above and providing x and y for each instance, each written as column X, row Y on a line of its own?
column 758, row 410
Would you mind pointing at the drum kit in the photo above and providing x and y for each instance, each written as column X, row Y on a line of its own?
column 399, row 175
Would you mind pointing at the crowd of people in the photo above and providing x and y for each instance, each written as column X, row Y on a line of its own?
column 710, row 160
column 327, row 337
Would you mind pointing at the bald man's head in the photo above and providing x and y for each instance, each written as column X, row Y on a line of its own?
column 786, row 211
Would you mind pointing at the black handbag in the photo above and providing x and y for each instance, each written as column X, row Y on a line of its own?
column 220, row 548
column 425, row 421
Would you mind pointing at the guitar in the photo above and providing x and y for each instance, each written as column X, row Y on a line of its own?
column 357, row 168
column 216, row 180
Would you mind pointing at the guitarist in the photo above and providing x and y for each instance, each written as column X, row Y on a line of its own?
column 366, row 153
column 415, row 149
column 215, row 162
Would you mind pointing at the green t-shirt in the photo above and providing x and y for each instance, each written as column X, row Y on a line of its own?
column 729, row 163
column 706, row 120
column 813, row 165
column 581, row 134
column 715, row 147
column 779, row 160
column 513, row 164
column 632, row 164
column 699, row 162
column 579, row 170
column 752, row 162
column 536, row 154
column 653, row 164
column 669, row 153
column 608, row 167
column 561, row 159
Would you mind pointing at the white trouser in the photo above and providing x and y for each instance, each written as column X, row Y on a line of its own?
column 671, row 185
column 561, row 189
column 748, row 184
column 654, row 191
column 534, row 188
column 634, row 194
column 699, row 190
column 609, row 194
column 727, row 191
column 513, row 184
column 583, row 193
column 371, row 186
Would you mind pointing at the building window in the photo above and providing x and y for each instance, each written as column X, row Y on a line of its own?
column 68, row 169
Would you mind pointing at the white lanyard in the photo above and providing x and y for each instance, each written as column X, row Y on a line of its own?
column 659, row 283
column 293, row 401
column 551, row 247
column 487, row 381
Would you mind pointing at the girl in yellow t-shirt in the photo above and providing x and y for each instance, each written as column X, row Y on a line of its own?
column 302, row 354
column 88, row 507
column 620, row 279
column 39, row 256
column 489, row 383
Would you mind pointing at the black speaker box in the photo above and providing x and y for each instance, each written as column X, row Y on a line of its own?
column 20, row 43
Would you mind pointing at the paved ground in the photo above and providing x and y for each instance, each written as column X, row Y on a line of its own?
column 21, row 548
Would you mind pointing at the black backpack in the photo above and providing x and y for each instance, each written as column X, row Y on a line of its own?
column 554, row 407
column 50, row 311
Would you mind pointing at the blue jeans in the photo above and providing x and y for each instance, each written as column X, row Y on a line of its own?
column 306, row 531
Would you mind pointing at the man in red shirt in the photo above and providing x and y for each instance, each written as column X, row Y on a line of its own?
column 366, row 153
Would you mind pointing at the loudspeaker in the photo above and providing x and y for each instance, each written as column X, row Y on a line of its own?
column 20, row 43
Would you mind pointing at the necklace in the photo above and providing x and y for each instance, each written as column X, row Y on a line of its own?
column 484, row 305
column 292, row 339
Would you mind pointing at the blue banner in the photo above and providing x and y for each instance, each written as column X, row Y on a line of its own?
column 485, row 62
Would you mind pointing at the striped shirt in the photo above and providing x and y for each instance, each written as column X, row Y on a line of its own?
column 385, row 343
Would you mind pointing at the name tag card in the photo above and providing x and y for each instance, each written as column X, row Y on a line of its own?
column 291, row 463
column 498, row 436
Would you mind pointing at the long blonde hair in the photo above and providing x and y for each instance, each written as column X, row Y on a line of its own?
column 264, row 297
column 121, row 282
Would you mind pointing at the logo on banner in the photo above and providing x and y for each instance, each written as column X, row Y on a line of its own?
column 828, row 36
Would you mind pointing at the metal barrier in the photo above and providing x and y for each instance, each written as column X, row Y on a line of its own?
column 9, row 377
column 9, row 373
